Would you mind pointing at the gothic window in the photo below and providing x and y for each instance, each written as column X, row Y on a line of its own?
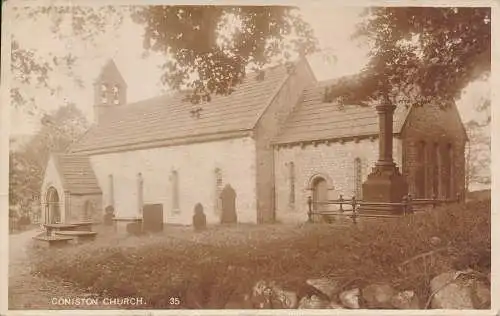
column 111, row 188
column 104, row 87
column 218, row 190
column 175, row 191
column 291, row 176
column 358, row 177
column 140, row 191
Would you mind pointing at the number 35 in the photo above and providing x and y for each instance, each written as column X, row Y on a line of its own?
column 174, row 301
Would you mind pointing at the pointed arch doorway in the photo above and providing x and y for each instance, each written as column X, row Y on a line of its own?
column 53, row 214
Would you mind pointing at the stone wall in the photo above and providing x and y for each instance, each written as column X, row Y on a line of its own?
column 434, row 126
column 334, row 162
column 77, row 204
column 195, row 165
column 266, row 130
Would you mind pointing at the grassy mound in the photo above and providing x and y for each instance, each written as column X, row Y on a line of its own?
column 207, row 271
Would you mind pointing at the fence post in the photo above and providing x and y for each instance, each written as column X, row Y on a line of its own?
column 458, row 197
column 309, row 212
column 434, row 200
column 341, row 199
column 354, row 215
column 410, row 204
column 405, row 204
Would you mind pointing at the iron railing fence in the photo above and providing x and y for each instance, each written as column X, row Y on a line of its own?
column 408, row 205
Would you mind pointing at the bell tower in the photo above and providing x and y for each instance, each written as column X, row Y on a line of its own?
column 110, row 91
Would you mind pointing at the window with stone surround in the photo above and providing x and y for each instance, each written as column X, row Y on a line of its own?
column 111, row 188
column 140, row 192
column 218, row 190
column 291, row 179
column 358, row 178
column 175, row 191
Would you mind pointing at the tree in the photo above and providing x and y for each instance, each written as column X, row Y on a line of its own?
column 31, row 68
column 207, row 48
column 27, row 166
column 419, row 54
column 210, row 47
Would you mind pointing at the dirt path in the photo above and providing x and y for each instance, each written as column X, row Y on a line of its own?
column 28, row 291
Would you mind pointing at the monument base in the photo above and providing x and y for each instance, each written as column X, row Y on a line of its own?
column 384, row 185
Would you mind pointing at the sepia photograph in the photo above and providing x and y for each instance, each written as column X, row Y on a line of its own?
column 310, row 155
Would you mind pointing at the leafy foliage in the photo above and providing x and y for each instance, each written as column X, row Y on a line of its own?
column 420, row 54
column 28, row 164
column 210, row 47
column 32, row 68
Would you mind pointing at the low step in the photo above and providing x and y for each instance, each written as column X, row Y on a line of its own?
column 87, row 226
column 79, row 235
column 52, row 241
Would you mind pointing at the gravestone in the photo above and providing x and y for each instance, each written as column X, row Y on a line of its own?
column 199, row 218
column 109, row 215
column 228, row 199
column 152, row 215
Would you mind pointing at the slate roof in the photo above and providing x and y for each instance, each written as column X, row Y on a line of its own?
column 313, row 119
column 169, row 117
column 76, row 173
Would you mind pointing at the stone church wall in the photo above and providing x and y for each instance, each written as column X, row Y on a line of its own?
column 77, row 205
column 267, row 128
column 195, row 165
column 333, row 162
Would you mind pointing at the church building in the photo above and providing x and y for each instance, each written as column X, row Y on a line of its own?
column 260, row 151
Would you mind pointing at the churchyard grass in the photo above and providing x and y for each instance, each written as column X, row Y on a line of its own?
column 210, row 268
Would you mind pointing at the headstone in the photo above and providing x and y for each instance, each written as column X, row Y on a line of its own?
column 152, row 215
column 228, row 198
column 199, row 218
column 109, row 215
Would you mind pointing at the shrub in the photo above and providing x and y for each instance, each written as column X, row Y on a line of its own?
column 204, row 273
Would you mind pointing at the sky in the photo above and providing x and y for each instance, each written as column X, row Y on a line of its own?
column 332, row 27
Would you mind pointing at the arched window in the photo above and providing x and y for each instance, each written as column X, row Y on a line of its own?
column 140, row 192
column 218, row 190
column 358, row 178
column 175, row 191
column 111, row 188
column 291, row 177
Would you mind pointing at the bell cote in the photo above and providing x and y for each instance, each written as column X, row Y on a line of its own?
column 110, row 90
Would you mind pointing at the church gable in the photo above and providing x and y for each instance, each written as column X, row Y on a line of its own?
column 169, row 119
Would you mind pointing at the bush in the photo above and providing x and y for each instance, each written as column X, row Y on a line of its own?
column 205, row 273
